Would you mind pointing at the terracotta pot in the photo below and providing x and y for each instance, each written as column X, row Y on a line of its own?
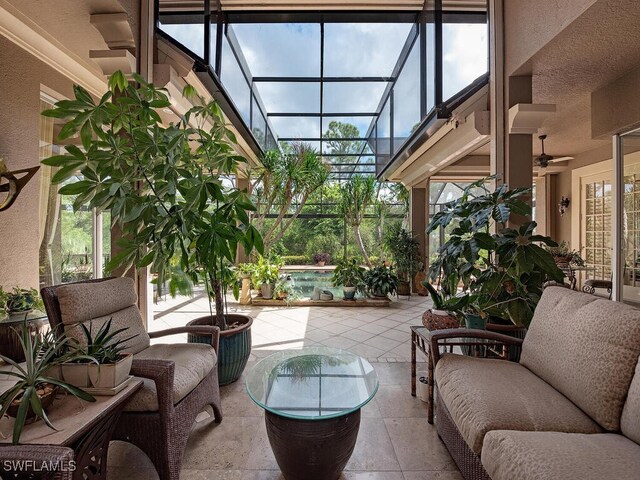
column 439, row 320
column 418, row 279
column 320, row 264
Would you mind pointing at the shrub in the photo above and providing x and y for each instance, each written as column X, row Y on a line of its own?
column 295, row 259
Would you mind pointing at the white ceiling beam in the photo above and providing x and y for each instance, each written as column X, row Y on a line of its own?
column 527, row 118
column 115, row 29
column 110, row 61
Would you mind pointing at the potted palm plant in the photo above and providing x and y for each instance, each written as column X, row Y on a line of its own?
column 350, row 275
column 268, row 272
column 165, row 187
column 35, row 388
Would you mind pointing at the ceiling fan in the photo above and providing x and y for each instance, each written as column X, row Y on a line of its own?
column 543, row 160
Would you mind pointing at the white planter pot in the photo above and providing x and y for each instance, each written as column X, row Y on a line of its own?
column 76, row 374
column 110, row 375
column 267, row 291
column 349, row 292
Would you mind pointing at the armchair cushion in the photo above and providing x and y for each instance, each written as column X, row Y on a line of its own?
column 630, row 421
column 193, row 362
column 587, row 348
column 487, row 394
column 96, row 303
column 508, row 455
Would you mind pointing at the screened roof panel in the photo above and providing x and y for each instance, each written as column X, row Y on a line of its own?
column 361, row 125
column 296, row 127
column 294, row 97
column 280, row 49
column 363, row 49
column 346, row 97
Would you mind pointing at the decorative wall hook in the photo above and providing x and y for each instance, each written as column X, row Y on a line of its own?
column 563, row 205
column 12, row 183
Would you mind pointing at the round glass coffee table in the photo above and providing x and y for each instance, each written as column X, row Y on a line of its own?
column 312, row 399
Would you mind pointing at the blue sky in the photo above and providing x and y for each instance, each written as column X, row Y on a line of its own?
column 351, row 49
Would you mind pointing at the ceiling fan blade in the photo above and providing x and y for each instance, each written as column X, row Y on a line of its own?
column 561, row 159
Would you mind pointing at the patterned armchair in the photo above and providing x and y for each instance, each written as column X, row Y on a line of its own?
column 180, row 380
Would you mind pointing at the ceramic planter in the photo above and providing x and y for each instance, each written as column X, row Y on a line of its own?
column 404, row 288
column 439, row 319
column 76, row 374
column 320, row 264
column 349, row 293
column 475, row 321
column 235, row 346
column 267, row 291
column 110, row 375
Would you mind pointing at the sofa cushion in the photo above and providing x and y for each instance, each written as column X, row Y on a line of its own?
column 193, row 362
column 487, row 394
column 509, row 455
column 587, row 348
column 95, row 303
column 630, row 421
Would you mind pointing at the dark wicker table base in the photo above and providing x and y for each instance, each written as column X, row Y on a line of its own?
column 312, row 449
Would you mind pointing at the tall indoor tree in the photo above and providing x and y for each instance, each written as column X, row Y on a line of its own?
column 162, row 183
column 282, row 185
column 357, row 195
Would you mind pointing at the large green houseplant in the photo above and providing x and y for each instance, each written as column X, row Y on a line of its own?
column 165, row 187
column 503, row 269
column 351, row 276
column 404, row 248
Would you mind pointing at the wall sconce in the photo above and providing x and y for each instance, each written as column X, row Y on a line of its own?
column 563, row 205
column 12, row 183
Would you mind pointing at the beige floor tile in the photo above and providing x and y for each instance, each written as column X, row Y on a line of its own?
column 417, row 445
column 336, row 328
column 433, row 475
column 340, row 342
column 395, row 401
column 383, row 343
column 189, row 474
column 358, row 335
column 347, row 475
column 374, row 450
column 399, row 335
column 372, row 328
column 366, row 351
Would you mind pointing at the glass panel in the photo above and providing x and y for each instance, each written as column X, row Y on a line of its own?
column 383, row 142
column 363, row 49
column 596, row 241
column 298, row 97
column 431, row 65
column 281, row 49
column 631, row 218
column 258, row 124
column 190, row 35
column 342, row 146
column 465, row 55
column 352, row 97
column 406, row 99
column 234, row 81
column 296, row 127
column 339, row 126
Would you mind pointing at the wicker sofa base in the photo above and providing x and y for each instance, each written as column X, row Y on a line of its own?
column 467, row 461
column 163, row 438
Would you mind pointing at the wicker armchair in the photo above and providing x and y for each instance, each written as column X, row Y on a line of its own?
column 180, row 380
column 24, row 462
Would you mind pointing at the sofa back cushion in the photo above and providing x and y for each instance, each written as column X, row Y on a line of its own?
column 585, row 347
column 630, row 421
column 95, row 303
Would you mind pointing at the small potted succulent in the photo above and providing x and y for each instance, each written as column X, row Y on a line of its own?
column 35, row 389
column 446, row 308
column 101, row 362
column 320, row 259
column 381, row 281
column 350, row 275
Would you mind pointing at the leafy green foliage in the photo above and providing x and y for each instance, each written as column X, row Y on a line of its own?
column 381, row 281
column 163, row 184
column 404, row 248
column 32, row 378
column 349, row 273
column 105, row 347
column 267, row 270
column 442, row 301
column 502, row 269
column 20, row 300
column 357, row 194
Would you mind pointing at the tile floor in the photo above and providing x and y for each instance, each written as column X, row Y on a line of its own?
column 395, row 441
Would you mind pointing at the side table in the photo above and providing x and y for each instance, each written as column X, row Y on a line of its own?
column 85, row 427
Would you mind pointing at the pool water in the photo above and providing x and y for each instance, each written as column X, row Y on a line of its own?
column 305, row 281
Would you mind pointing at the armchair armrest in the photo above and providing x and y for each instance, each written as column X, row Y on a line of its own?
column 470, row 336
column 161, row 372
column 194, row 329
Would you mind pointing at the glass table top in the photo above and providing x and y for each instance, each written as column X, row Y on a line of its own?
column 19, row 317
column 312, row 383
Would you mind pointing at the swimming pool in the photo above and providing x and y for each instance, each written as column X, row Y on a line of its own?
column 305, row 281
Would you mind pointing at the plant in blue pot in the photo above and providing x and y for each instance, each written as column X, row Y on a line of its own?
column 350, row 275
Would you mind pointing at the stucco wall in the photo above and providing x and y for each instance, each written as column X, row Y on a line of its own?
column 564, row 188
column 529, row 26
column 20, row 78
